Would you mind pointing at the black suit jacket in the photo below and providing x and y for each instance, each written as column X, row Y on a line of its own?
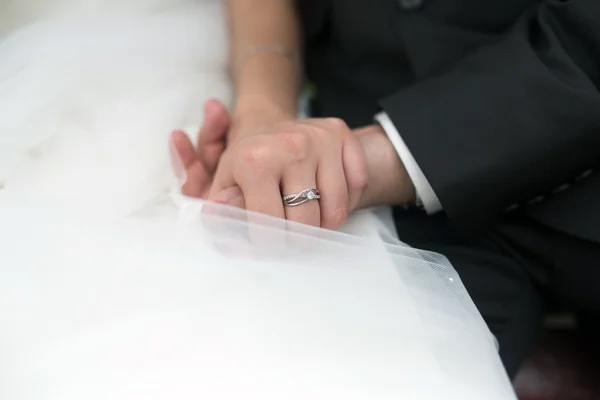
column 498, row 100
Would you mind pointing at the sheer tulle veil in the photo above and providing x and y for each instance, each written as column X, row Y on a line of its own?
column 114, row 286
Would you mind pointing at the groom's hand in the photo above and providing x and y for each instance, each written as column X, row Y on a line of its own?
column 195, row 166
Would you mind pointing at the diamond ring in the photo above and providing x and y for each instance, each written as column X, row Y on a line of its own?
column 296, row 199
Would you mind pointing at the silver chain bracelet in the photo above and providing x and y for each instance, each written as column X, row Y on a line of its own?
column 273, row 48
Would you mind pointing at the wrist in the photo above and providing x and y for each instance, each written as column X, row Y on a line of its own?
column 255, row 113
column 389, row 183
column 270, row 83
column 262, row 105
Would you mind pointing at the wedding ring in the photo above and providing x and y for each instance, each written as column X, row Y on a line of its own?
column 292, row 200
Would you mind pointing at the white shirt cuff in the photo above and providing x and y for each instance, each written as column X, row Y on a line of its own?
column 430, row 201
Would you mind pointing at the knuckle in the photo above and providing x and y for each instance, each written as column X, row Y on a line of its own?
column 338, row 124
column 360, row 179
column 254, row 157
column 295, row 144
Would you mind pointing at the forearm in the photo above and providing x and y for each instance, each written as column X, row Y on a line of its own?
column 265, row 81
column 389, row 183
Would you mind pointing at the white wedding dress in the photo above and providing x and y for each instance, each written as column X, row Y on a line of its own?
column 113, row 286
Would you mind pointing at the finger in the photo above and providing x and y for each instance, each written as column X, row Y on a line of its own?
column 263, row 200
column 296, row 178
column 331, row 182
column 331, row 177
column 232, row 196
column 216, row 122
column 192, row 175
column 223, row 223
column 223, row 177
column 355, row 170
column 258, row 236
column 211, row 137
column 257, row 170
column 263, row 197
column 184, row 154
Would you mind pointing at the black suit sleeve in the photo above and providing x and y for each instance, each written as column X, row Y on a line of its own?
column 514, row 119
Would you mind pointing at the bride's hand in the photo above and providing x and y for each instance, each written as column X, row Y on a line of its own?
column 196, row 166
column 290, row 156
